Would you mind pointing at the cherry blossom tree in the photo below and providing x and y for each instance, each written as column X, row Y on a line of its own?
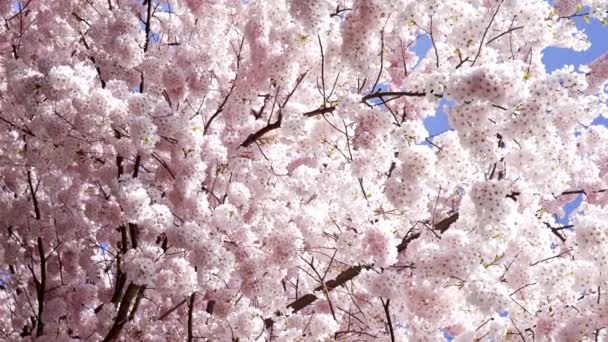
column 221, row 170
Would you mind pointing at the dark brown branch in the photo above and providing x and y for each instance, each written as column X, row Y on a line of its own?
column 443, row 225
column 163, row 163
column 556, row 231
column 170, row 311
column 119, row 158
column 124, row 244
column 339, row 11
column 486, row 32
column 462, row 62
column 272, row 126
column 584, row 14
column 134, row 233
column 518, row 331
column 409, row 237
column 33, row 192
column 354, row 271
column 138, row 298
column 388, row 317
column 506, row 32
column 26, row 131
column 433, row 42
column 521, row 288
column 576, row 192
column 320, row 111
column 397, row 94
column 220, row 109
column 136, row 165
column 341, row 279
column 190, row 312
column 121, row 279
column 98, row 69
column 41, row 288
column 123, row 311
column 148, row 26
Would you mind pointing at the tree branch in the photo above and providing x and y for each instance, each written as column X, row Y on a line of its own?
column 123, row 311
column 397, row 94
column 33, row 192
column 148, row 27
column 506, row 32
column 433, row 42
column 190, row 311
column 168, row 312
column 140, row 295
column 136, row 165
column 341, row 279
column 320, row 111
column 388, row 317
column 486, row 32
column 220, row 109
column 272, row 126
column 41, row 288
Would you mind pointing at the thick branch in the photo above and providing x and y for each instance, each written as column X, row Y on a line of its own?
column 388, row 317
column 354, row 271
column 444, row 224
column 41, row 288
column 134, row 233
column 148, row 25
column 123, row 311
column 136, row 165
column 341, row 279
column 406, row 241
column 140, row 295
column 320, row 111
column 190, row 309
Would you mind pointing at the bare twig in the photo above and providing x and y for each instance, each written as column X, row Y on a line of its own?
column 220, row 109
column 433, row 42
column 552, row 257
column 486, row 32
column 511, row 29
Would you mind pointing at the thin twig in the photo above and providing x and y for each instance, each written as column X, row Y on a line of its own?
column 486, row 32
